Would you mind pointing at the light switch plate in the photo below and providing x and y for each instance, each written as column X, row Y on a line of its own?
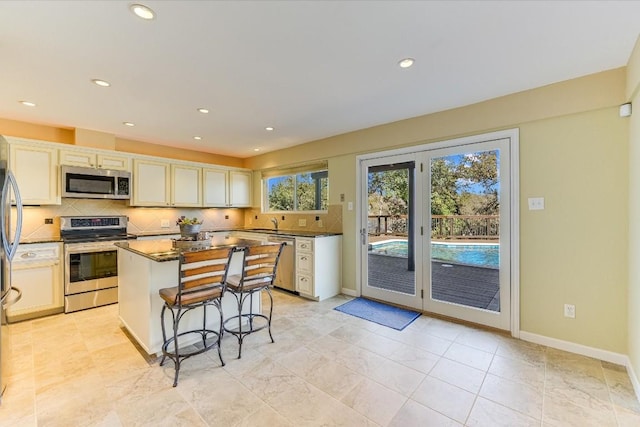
column 302, row 222
column 350, row 206
column 536, row 203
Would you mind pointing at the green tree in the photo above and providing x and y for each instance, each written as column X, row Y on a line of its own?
column 281, row 195
column 444, row 190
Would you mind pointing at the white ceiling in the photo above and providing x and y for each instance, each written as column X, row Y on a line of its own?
column 311, row 69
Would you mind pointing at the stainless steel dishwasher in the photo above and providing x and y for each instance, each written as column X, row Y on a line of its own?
column 286, row 272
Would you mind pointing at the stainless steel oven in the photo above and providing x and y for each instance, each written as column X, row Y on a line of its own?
column 91, row 260
column 90, row 275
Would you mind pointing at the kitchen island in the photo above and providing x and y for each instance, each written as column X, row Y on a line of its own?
column 145, row 267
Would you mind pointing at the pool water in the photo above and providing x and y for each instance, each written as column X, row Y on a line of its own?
column 481, row 255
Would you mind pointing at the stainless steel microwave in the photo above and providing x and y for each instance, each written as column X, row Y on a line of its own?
column 89, row 183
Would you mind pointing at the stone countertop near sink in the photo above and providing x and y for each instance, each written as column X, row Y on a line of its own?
column 162, row 250
column 293, row 233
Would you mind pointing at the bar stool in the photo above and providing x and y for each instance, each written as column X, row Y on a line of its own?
column 202, row 277
column 258, row 273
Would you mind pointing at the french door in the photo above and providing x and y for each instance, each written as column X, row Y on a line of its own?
column 436, row 229
column 388, row 237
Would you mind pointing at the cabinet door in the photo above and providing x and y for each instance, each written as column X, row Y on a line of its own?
column 150, row 183
column 240, row 188
column 36, row 172
column 215, row 187
column 185, row 185
column 109, row 161
column 78, row 158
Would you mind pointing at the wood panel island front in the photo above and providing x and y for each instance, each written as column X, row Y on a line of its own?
column 145, row 267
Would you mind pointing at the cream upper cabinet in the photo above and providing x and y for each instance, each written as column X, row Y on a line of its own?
column 158, row 183
column 215, row 187
column 151, row 183
column 36, row 170
column 186, row 185
column 240, row 188
column 91, row 159
column 226, row 188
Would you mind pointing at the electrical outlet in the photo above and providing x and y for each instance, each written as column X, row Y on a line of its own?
column 536, row 203
column 226, row 217
column 320, row 224
column 302, row 222
column 570, row 311
column 48, row 220
column 165, row 223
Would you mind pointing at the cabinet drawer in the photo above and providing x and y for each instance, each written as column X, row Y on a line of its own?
column 304, row 263
column 304, row 245
column 304, row 284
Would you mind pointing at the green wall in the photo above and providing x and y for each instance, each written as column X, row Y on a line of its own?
column 574, row 150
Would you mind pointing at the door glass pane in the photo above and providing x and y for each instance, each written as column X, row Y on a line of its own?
column 465, row 238
column 391, row 255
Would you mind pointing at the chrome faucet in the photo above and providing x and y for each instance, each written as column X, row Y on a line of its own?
column 274, row 220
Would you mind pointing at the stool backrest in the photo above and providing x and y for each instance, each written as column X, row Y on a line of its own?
column 206, row 268
column 260, row 263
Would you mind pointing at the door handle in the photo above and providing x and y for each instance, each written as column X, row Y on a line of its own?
column 17, row 298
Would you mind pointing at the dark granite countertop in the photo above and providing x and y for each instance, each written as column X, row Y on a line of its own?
column 293, row 233
column 40, row 240
column 162, row 250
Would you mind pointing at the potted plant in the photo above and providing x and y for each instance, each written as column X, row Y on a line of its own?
column 189, row 227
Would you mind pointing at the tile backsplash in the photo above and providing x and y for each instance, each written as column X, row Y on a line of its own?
column 330, row 221
column 149, row 220
column 141, row 220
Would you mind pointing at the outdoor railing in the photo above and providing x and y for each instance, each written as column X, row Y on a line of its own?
column 465, row 227
column 486, row 227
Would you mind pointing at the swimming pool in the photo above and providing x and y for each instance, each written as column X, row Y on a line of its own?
column 478, row 254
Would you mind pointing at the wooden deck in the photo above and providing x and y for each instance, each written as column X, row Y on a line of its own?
column 460, row 284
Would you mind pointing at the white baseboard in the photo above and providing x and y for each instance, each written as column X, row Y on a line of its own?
column 596, row 353
column 350, row 292
column 634, row 378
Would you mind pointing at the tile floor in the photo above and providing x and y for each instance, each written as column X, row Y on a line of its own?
column 326, row 368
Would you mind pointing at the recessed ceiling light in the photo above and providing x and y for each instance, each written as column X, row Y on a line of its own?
column 269, row 128
column 102, row 83
column 128, row 124
column 256, row 149
column 406, row 62
column 203, row 110
column 28, row 103
column 142, row 11
column 197, row 138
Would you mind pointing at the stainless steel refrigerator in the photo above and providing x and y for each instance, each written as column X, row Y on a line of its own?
column 8, row 294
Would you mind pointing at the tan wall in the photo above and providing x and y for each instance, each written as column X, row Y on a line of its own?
column 35, row 131
column 95, row 139
column 573, row 153
column 575, row 251
column 633, row 89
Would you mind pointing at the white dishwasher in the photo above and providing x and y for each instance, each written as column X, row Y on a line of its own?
column 37, row 272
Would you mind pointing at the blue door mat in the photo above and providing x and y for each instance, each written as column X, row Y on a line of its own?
column 382, row 314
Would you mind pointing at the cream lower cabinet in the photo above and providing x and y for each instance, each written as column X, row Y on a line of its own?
column 226, row 188
column 37, row 272
column 157, row 183
column 318, row 267
column 36, row 170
